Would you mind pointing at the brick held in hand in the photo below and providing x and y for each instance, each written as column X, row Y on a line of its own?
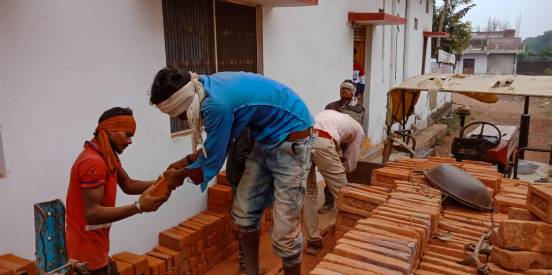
column 30, row 266
column 221, row 178
column 139, row 262
column 160, row 189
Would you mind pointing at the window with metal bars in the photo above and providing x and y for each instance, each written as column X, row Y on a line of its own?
column 190, row 39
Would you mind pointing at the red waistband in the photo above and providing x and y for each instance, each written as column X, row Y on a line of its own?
column 323, row 134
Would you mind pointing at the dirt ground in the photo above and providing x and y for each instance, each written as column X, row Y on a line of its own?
column 506, row 111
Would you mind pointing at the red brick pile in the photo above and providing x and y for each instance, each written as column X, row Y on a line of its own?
column 12, row 265
column 523, row 242
column 513, row 193
column 193, row 246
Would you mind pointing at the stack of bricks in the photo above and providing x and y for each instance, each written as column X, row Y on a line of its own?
column 193, row 246
column 357, row 202
column 523, row 242
column 13, row 265
column 513, row 193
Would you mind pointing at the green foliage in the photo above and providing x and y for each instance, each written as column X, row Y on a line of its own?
column 545, row 54
column 547, row 72
column 539, row 43
column 460, row 32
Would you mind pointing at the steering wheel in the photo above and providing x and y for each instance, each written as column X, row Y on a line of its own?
column 480, row 136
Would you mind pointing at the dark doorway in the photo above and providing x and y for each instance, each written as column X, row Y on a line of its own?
column 468, row 66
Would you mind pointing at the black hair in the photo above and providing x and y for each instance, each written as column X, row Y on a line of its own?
column 113, row 112
column 355, row 50
column 167, row 82
column 349, row 81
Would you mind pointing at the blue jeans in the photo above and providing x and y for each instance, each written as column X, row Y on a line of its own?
column 278, row 176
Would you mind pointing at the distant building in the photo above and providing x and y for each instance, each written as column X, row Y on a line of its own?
column 492, row 52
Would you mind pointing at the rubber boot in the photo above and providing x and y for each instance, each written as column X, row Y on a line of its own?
column 250, row 242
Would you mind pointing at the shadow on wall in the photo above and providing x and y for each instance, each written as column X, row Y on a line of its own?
column 2, row 160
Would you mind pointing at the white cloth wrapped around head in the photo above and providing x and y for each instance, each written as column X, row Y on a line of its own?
column 188, row 99
column 351, row 87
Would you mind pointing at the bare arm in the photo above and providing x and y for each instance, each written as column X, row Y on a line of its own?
column 184, row 162
column 95, row 213
column 130, row 186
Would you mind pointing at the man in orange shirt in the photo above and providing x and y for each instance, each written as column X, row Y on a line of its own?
column 93, row 189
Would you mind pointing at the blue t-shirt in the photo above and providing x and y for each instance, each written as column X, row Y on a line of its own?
column 235, row 100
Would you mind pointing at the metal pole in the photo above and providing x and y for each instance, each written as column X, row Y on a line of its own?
column 462, row 121
column 524, row 128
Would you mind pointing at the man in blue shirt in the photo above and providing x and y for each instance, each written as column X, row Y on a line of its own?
column 277, row 168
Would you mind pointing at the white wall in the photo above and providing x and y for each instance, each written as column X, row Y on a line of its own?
column 63, row 64
column 480, row 66
column 309, row 49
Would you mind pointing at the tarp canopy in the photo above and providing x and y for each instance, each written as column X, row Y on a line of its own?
column 484, row 88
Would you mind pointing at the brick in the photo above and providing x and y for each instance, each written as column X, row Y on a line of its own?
column 225, row 216
column 173, row 253
column 220, row 193
column 200, row 269
column 185, row 266
column 209, row 240
column 194, row 271
column 210, row 264
column 468, row 220
column 483, row 216
column 448, row 244
column 321, row 271
column 539, row 201
column 451, row 265
column 124, row 268
column 218, row 222
column 30, row 266
column 218, row 258
column 461, row 228
column 219, row 206
column 396, row 229
column 200, row 228
column 372, row 258
column 346, row 221
column 202, row 256
column 166, row 258
column 139, row 262
column 440, row 269
column 453, row 252
column 336, row 259
column 381, row 241
column 208, row 225
column 221, row 178
column 199, row 246
column 502, row 203
column 425, row 272
column 220, row 235
column 187, row 237
column 153, row 268
column 402, row 256
column 391, row 237
column 192, row 262
column 357, row 202
column 430, row 215
column 445, row 257
column 525, row 235
column 161, row 263
column 146, row 273
column 13, row 267
column 193, row 233
column 5, row 271
column 538, row 272
column 386, row 177
column 403, row 219
column 521, row 260
column 498, row 270
column 227, row 230
column 342, row 269
column 172, row 240
column 205, row 268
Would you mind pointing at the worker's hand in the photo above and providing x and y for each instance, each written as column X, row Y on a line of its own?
column 151, row 204
column 177, row 165
column 174, row 178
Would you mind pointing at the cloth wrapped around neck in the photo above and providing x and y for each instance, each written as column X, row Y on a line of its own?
column 118, row 123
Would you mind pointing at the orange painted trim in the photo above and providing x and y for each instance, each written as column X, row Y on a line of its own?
column 436, row 34
column 311, row 2
column 377, row 18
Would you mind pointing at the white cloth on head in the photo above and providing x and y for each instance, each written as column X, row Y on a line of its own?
column 351, row 87
column 188, row 99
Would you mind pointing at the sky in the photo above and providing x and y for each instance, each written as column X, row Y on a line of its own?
column 536, row 15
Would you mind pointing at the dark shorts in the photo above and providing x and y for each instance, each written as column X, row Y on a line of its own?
column 109, row 269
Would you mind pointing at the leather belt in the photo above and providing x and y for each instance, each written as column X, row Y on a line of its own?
column 299, row 135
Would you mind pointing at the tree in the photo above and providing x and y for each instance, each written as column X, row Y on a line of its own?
column 460, row 32
column 493, row 24
column 536, row 44
column 547, row 72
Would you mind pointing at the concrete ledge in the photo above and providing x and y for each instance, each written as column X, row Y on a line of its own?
column 429, row 136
